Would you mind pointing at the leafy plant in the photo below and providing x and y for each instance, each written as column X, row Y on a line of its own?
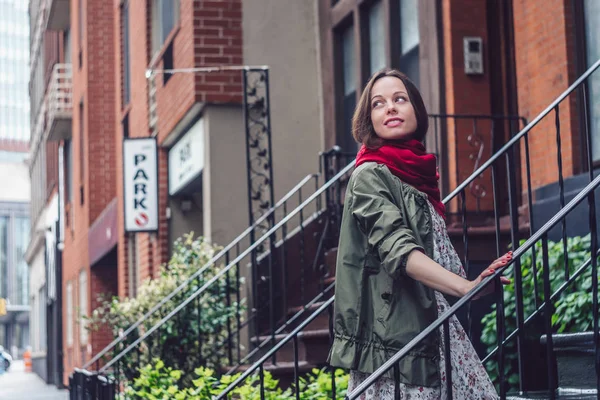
column 197, row 334
column 157, row 382
column 572, row 311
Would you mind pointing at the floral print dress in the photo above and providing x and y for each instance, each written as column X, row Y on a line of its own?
column 469, row 378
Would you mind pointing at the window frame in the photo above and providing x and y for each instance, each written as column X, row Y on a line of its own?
column 356, row 13
column 159, row 39
column 125, row 54
column 69, row 305
column 83, row 306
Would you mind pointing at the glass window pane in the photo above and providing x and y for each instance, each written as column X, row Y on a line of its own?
column 409, row 25
column 83, row 301
column 125, row 55
column 69, row 314
column 345, row 140
column 409, row 34
column 3, row 257
column 592, row 39
column 349, row 60
column 376, row 37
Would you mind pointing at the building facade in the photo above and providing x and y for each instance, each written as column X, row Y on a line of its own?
column 14, row 274
column 50, row 104
column 14, row 203
column 133, row 73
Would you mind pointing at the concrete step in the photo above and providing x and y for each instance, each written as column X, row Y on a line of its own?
column 561, row 394
column 313, row 347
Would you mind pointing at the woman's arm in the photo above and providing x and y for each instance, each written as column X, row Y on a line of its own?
column 425, row 270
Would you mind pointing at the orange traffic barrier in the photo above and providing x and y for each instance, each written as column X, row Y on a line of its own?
column 27, row 360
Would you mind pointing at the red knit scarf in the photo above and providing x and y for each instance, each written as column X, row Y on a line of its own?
column 411, row 164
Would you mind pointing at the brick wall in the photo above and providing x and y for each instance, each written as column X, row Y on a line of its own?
column 94, row 155
column 465, row 94
column 545, row 64
column 208, row 33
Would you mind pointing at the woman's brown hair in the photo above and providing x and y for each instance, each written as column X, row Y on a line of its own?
column 362, row 127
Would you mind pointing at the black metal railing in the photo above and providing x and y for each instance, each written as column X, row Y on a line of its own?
column 476, row 138
column 507, row 154
column 279, row 248
column 85, row 385
column 504, row 179
column 270, row 249
column 222, row 275
column 541, row 235
column 118, row 365
column 261, row 365
column 231, row 251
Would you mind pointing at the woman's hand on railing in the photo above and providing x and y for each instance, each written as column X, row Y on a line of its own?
column 500, row 262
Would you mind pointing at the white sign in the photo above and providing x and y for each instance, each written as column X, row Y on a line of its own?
column 140, row 174
column 186, row 158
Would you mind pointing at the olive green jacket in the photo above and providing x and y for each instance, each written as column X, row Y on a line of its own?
column 378, row 308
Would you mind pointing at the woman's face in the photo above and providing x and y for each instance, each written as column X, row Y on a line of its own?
column 392, row 113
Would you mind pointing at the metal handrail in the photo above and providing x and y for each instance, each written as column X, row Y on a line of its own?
column 276, row 348
column 541, row 308
column 523, row 132
column 550, row 224
column 389, row 364
column 209, row 264
column 266, row 236
column 453, row 194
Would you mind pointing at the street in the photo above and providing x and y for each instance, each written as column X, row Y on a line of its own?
column 20, row 385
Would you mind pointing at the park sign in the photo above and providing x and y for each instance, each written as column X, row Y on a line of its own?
column 140, row 184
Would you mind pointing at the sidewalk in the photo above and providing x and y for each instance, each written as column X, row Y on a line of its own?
column 16, row 384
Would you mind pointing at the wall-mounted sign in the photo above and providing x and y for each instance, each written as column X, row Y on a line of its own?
column 186, row 158
column 140, row 174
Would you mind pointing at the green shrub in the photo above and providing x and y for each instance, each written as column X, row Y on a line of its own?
column 157, row 382
column 572, row 311
column 192, row 338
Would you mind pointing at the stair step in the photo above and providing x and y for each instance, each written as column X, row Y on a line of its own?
column 313, row 346
column 320, row 322
column 561, row 394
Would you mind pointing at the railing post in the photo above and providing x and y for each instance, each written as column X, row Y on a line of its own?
column 257, row 117
column 514, row 237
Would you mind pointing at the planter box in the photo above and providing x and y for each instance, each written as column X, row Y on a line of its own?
column 574, row 355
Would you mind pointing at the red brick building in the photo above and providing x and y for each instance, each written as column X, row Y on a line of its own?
column 320, row 53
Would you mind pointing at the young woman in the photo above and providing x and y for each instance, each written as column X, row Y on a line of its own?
column 395, row 258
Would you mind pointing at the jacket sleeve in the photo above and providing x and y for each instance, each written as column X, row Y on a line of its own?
column 382, row 221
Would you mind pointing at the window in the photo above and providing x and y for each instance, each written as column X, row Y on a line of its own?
column 369, row 36
column 125, row 52
column 67, row 44
column 168, row 62
column 409, row 39
column 83, row 307
column 81, row 151
column 69, row 313
column 165, row 14
column 592, row 49
column 345, row 139
column 376, row 38
column 3, row 257
column 41, row 318
column 20, row 245
column 125, row 124
column 80, row 31
column 68, row 160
